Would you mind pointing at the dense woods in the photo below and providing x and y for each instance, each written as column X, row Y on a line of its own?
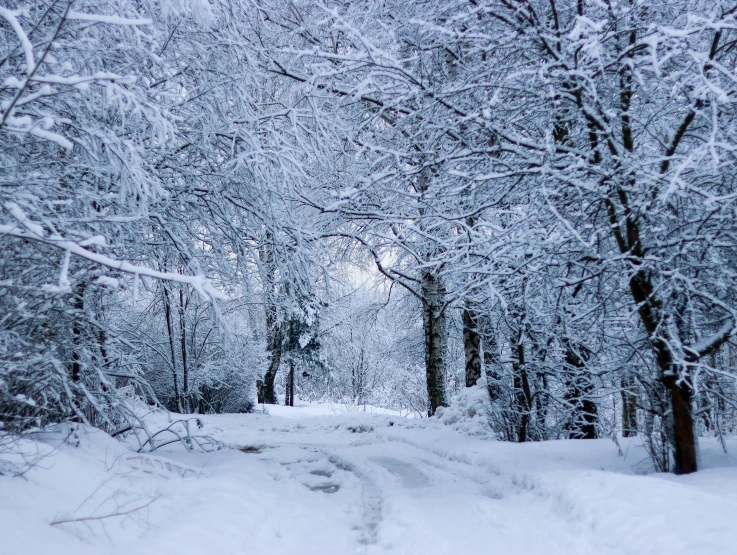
column 212, row 204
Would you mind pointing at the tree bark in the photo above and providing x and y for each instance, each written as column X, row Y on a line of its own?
column 650, row 309
column 76, row 366
column 684, row 438
column 183, row 345
column 471, row 345
column 260, row 391
column 521, row 387
column 274, row 332
column 629, row 407
column 433, row 293
column 583, row 421
column 289, row 396
column 167, row 315
column 275, row 352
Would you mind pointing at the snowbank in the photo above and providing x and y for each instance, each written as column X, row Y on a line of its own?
column 468, row 411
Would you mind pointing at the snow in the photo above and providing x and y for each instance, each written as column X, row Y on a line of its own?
column 326, row 480
column 11, row 17
column 468, row 411
column 113, row 20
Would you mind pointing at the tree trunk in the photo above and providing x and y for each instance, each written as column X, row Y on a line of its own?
column 650, row 309
column 76, row 366
column 582, row 424
column 541, row 408
column 275, row 351
column 183, row 345
column 260, row 391
column 291, row 386
column 274, row 330
column 167, row 315
column 521, row 388
column 491, row 361
column 434, row 327
column 629, row 406
column 471, row 346
column 289, row 396
column 684, row 439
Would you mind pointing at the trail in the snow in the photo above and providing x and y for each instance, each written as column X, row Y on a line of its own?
column 409, row 475
column 410, row 487
column 361, row 484
column 413, row 499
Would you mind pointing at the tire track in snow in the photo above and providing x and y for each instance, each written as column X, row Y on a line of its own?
column 371, row 495
column 409, row 475
column 371, row 498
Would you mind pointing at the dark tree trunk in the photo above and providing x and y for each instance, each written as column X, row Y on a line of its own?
column 102, row 342
column 684, row 439
column 76, row 366
column 541, row 407
column 275, row 351
column 259, row 391
column 434, row 329
column 650, row 309
column 472, row 323
column 291, row 386
column 582, row 424
column 289, row 397
column 274, row 332
column 183, row 345
column 433, row 319
column 471, row 346
column 522, row 390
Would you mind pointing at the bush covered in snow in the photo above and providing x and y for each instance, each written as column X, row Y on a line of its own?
column 468, row 412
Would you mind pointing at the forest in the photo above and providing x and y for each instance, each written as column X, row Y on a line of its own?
column 520, row 211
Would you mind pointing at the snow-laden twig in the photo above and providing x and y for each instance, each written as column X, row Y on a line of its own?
column 34, row 231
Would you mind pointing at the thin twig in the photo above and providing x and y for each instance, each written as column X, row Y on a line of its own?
column 122, row 513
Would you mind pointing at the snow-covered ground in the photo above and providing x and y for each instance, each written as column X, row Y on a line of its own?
column 324, row 480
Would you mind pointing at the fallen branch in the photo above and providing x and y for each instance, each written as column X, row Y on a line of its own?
column 101, row 517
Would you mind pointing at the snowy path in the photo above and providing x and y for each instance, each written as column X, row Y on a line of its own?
column 414, row 501
column 364, row 484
